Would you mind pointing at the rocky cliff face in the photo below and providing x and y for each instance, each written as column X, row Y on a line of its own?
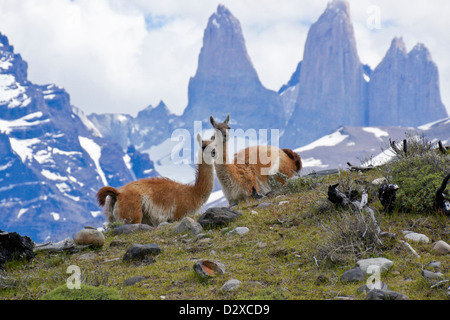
column 226, row 81
column 404, row 88
column 331, row 85
column 52, row 159
column 335, row 89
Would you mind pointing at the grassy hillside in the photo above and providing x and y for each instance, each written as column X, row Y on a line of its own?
column 296, row 248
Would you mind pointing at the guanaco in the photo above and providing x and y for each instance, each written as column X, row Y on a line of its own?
column 156, row 200
column 247, row 174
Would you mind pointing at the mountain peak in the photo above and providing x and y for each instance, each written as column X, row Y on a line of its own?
column 11, row 63
column 420, row 51
column 338, row 6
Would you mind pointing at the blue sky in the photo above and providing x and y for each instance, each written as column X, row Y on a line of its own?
column 123, row 55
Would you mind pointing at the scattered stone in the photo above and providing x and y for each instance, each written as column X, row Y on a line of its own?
column 441, row 247
column 254, row 212
column 383, row 263
column 435, row 265
column 218, row 217
column 430, row 275
column 14, row 246
column 132, row 281
column 321, row 279
column 264, row 205
column 131, row 228
column 365, row 289
column 208, row 268
column 352, row 275
column 379, row 181
column 376, row 294
column 142, row 252
column 230, row 285
column 283, row 203
column 163, row 224
column 239, row 230
column 189, row 224
column 89, row 237
column 416, row 237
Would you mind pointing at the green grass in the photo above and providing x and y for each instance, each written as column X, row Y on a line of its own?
column 277, row 259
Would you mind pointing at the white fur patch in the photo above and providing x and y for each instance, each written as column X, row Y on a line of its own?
column 153, row 214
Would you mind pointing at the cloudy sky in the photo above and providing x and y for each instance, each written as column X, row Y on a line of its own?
column 122, row 55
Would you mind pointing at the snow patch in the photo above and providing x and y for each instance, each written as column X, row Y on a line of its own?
column 23, row 147
column 327, row 141
column 6, row 126
column 21, row 212
column 55, row 216
column 95, row 152
column 312, row 162
column 377, row 132
column 53, row 176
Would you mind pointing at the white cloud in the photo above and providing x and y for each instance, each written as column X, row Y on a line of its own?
column 120, row 56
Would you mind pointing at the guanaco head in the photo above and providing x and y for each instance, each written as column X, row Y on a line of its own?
column 207, row 153
column 221, row 130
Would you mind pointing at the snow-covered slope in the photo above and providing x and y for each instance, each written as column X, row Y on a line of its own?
column 52, row 159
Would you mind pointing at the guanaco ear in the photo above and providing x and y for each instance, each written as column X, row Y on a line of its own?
column 227, row 119
column 199, row 139
column 213, row 122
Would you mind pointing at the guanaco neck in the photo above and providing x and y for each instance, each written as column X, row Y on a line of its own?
column 204, row 182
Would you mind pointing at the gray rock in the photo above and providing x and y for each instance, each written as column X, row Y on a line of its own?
column 435, row 265
column 188, row 225
column 218, row 217
column 208, row 268
column 132, row 281
column 352, row 275
column 366, row 289
column 131, row 228
column 417, row 237
column 230, row 285
column 383, row 263
column 90, row 237
column 441, row 247
column 264, row 205
column 239, row 231
column 142, row 252
column 376, row 294
column 430, row 275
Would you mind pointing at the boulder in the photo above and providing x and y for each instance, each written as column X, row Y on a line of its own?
column 416, row 237
column 208, row 268
column 383, row 263
column 142, row 252
column 90, row 237
column 230, row 285
column 441, row 248
column 189, row 224
column 131, row 228
column 376, row 294
column 14, row 246
column 352, row 275
column 218, row 217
